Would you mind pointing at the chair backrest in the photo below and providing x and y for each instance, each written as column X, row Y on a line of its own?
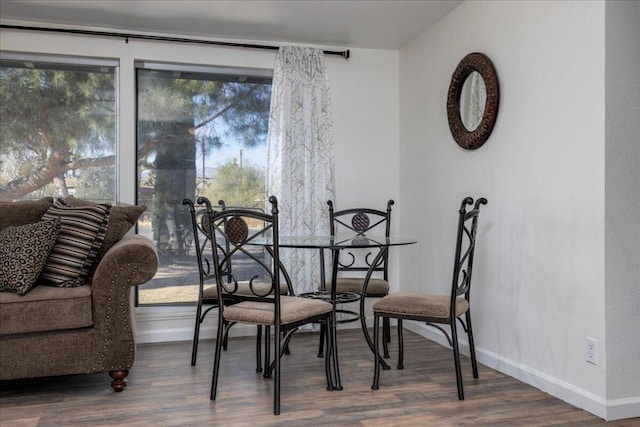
column 233, row 230
column 202, row 240
column 362, row 222
column 465, row 248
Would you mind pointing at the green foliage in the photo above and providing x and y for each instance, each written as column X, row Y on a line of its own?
column 96, row 184
column 52, row 120
column 237, row 186
column 71, row 112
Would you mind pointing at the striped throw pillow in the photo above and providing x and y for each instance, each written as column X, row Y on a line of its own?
column 82, row 231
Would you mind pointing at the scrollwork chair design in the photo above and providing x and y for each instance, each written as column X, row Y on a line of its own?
column 438, row 309
column 354, row 266
column 207, row 293
column 265, row 306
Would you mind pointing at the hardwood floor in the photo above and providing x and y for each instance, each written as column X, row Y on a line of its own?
column 164, row 390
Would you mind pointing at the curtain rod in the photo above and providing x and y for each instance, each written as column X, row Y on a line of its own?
column 345, row 53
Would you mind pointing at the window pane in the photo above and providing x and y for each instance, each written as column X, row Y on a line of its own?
column 57, row 129
column 199, row 134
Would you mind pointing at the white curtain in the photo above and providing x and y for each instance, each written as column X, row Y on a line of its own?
column 300, row 156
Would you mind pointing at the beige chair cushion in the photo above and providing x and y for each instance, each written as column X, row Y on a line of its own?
column 293, row 309
column 261, row 288
column 376, row 287
column 419, row 305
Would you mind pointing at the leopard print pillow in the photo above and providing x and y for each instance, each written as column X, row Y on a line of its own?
column 24, row 251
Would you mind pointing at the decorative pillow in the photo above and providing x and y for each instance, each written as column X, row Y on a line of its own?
column 82, row 231
column 23, row 252
column 121, row 219
column 23, row 212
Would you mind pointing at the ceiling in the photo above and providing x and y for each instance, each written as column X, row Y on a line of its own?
column 377, row 24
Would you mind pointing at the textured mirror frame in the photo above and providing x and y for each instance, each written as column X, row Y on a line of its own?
column 470, row 140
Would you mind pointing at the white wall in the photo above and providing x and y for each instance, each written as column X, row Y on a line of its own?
column 365, row 109
column 622, row 185
column 365, row 106
column 539, row 275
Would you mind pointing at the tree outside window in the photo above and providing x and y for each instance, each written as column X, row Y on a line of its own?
column 186, row 121
column 57, row 129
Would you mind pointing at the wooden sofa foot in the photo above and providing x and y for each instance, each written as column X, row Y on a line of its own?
column 119, row 383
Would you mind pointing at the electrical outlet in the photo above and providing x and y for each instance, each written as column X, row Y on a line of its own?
column 592, row 351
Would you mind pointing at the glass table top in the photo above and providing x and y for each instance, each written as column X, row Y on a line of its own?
column 334, row 242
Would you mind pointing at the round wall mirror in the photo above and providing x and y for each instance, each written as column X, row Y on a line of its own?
column 472, row 101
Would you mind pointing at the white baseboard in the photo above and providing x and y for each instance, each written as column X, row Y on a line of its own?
column 619, row 409
column 605, row 409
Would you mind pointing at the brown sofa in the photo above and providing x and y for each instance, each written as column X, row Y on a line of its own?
column 77, row 330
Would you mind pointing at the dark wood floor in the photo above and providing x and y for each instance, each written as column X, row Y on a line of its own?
column 164, row 390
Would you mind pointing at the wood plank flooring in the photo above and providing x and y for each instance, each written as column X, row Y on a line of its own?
column 164, row 390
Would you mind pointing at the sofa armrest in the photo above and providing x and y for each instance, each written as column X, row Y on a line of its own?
column 131, row 261
column 134, row 256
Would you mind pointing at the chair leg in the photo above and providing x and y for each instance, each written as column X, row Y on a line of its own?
column 225, row 340
column 334, row 350
column 386, row 336
column 327, row 360
column 286, row 349
column 321, row 343
column 267, row 351
column 259, row 349
column 325, row 330
column 376, row 354
column 456, row 359
column 276, row 354
column 196, row 335
column 216, row 359
column 472, row 347
column 400, row 346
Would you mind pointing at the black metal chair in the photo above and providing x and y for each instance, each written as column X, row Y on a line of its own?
column 438, row 309
column 265, row 306
column 353, row 265
column 207, row 294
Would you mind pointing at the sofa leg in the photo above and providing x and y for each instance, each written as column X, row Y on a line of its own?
column 119, row 383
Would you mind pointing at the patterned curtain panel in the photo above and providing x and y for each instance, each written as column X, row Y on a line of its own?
column 300, row 156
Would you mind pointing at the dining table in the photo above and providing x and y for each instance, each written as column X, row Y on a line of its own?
column 335, row 244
